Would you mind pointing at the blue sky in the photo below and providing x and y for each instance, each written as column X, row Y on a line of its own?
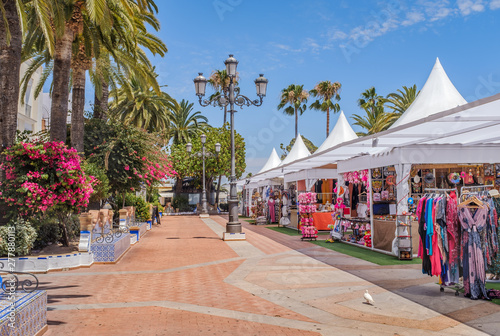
column 385, row 44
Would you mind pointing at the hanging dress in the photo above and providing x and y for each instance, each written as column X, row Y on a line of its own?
column 472, row 254
column 452, row 227
column 270, row 204
column 495, row 265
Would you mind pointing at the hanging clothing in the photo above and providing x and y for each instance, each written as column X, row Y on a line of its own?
column 472, row 258
column 495, row 264
column 452, row 228
column 270, row 204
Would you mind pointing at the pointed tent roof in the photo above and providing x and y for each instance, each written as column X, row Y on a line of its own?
column 298, row 151
column 272, row 162
column 438, row 94
column 340, row 133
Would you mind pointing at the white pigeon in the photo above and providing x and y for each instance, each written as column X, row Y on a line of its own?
column 368, row 298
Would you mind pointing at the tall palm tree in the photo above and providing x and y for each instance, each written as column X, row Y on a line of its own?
column 399, row 101
column 296, row 97
column 147, row 109
column 10, row 64
column 326, row 91
column 376, row 119
column 186, row 124
column 219, row 81
column 95, row 42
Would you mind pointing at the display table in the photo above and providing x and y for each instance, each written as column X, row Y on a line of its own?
column 384, row 232
column 322, row 220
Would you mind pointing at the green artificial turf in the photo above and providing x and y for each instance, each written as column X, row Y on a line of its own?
column 294, row 232
column 494, row 285
column 368, row 255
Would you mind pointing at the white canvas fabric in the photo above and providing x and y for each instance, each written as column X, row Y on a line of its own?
column 341, row 132
column 438, row 94
column 298, row 151
column 272, row 162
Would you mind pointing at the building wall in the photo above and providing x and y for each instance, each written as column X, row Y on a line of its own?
column 29, row 113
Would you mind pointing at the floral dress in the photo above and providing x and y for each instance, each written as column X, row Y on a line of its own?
column 495, row 265
column 472, row 257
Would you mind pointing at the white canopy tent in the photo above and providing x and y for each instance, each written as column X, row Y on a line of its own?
column 272, row 162
column 341, row 132
column 438, row 94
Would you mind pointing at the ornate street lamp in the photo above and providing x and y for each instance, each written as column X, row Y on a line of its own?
column 231, row 96
column 203, row 154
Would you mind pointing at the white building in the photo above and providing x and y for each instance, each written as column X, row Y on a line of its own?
column 29, row 113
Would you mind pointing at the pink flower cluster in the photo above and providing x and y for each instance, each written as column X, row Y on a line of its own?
column 307, row 208
column 309, row 232
column 40, row 176
column 307, row 198
column 306, row 221
column 356, row 177
column 155, row 171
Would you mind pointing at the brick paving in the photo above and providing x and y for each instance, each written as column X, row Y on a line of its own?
column 182, row 279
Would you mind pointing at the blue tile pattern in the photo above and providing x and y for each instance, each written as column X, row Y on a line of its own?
column 110, row 252
column 30, row 313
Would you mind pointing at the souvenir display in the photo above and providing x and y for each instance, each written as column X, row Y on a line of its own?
column 376, row 174
column 377, row 186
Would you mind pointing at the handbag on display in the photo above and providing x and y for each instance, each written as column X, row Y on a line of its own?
column 376, row 197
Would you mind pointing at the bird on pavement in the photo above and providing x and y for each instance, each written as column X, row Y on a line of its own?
column 368, row 298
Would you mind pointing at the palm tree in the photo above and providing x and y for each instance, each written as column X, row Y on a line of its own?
column 326, row 91
column 219, row 81
column 295, row 96
column 399, row 101
column 121, row 43
column 10, row 64
column 147, row 109
column 186, row 124
column 376, row 119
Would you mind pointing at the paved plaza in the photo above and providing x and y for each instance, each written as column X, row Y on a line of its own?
column 182, row 279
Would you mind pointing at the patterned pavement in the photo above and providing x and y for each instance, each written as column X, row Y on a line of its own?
column 182, row 279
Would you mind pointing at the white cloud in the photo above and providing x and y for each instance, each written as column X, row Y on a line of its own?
column 467, row 7
column 494, row 4
column 412, row 18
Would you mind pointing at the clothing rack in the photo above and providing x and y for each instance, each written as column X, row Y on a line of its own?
column 475, row 188
column 473, row 191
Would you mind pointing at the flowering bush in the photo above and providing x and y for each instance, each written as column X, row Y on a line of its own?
column 42, row 176
column 129, row 156
column 20, row 234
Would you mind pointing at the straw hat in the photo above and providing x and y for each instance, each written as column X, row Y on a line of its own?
column 493, row 192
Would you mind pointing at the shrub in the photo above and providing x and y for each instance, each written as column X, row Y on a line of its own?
column 181, row 202
column 21, row 234
column 141, row 207
column 42, row 176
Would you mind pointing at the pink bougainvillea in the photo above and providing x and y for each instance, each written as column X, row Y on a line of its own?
column 42, row 176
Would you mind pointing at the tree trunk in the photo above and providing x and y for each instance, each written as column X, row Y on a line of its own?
column 64, row 229
column 10, row 64
column 296, row 124
column 327, row 122
column 77, row 109
column 60, row 93
column 101, row 104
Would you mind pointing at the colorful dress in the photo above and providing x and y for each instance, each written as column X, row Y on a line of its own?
column 495, row 265
column 452, row 228
column 472, row 253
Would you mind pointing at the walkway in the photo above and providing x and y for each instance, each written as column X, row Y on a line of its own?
column 181, row 279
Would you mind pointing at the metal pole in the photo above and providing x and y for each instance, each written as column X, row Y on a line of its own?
column 233, row 226
column 204, row 194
